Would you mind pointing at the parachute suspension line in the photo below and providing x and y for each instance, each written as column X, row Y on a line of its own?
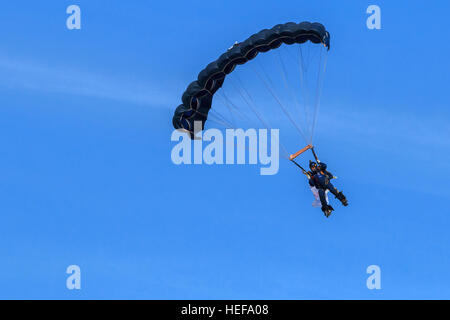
column 232, row 109
column 303, row 87
column 247, row 99
column 219, row 119
column 289, row 88
column 251, row 103
column 225, row 103
column 231, row 106
column 318, row 90
column 269, row 88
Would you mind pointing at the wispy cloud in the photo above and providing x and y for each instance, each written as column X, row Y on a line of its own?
column 35, row 76
column 388, row 126
column 416, row 143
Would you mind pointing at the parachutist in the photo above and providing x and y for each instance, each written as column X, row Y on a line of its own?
column 319, row 182
column 314, row 190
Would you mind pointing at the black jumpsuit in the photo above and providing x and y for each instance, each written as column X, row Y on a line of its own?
column 321, row 181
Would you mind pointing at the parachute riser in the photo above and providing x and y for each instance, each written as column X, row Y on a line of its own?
column 301, row 168
column 295, row 155
column 315, row 156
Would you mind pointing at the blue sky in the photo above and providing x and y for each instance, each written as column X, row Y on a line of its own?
column 87, row 179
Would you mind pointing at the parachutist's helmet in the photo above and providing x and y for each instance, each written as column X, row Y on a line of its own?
column 312, row 165
column 322, row 166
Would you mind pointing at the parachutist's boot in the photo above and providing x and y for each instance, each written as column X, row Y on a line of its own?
column 327, row 209
column 342, row 198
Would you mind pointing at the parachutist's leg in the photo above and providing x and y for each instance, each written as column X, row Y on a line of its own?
column 323, row 197
column 326, row 208
column 339, row 195
column 332, row 189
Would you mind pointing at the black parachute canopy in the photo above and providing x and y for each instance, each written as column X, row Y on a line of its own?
column 197, row 99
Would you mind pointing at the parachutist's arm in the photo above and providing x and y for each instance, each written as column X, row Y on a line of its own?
column 331, row 176
column 306, row 173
